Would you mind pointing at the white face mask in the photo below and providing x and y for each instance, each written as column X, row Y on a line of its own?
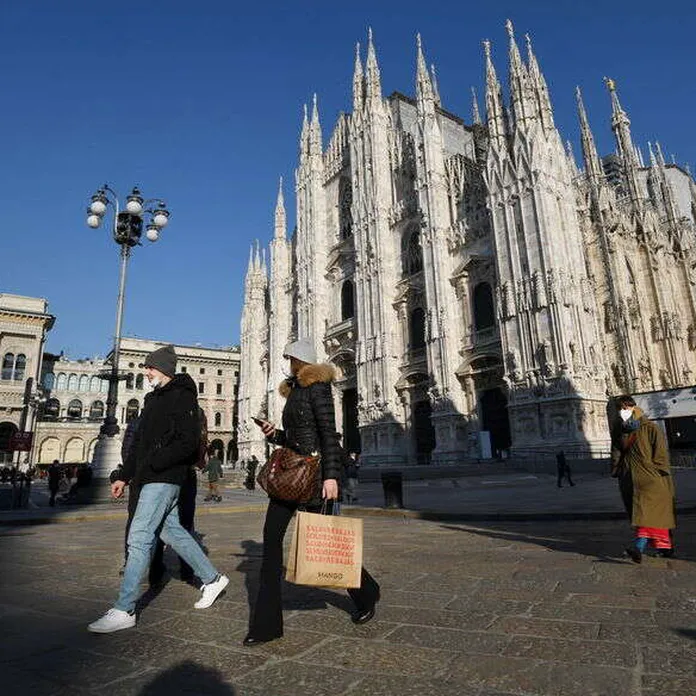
column 625, row 414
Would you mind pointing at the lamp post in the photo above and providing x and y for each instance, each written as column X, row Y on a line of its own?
column 127, row 230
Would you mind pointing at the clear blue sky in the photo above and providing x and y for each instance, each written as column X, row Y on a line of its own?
column 200, row 103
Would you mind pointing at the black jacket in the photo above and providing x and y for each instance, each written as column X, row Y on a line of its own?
column 167, row 437
column 309, row 423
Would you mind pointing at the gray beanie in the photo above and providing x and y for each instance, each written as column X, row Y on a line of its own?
column 164, row 359
column 302, row 350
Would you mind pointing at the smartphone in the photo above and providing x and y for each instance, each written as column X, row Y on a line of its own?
column 258, row 421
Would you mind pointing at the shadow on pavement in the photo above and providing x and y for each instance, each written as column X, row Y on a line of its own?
column 92, row 495
column 606, row 546
column 188, row 678
column 687, row 632
column 295, row 597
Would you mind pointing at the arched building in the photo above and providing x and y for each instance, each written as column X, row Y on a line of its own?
column 76, row 393
column 24, row 323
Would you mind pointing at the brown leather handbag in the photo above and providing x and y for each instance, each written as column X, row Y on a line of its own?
column 288, row 475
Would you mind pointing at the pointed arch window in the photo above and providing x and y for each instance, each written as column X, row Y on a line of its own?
column 139, row 381
column 345, row 204
column 218, row 420
column 417, row 329
column 94, row 384
column 72, row 383
column 412, row 252
column 61, row 382
column 484, row 307
column 129, row 380
column 8, row 365
column 347, row 300
column 84, row 383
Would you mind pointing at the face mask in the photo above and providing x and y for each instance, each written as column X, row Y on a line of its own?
column 625, row 414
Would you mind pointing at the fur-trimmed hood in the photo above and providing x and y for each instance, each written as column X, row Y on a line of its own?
column 307, row 375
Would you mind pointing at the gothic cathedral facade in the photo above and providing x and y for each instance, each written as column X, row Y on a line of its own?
column 477, row 291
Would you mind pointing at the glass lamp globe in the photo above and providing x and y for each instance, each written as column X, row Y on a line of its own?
column 161, row 218
column 134, row 206
column 93, row 221
column 98, row 207
column 152, row 234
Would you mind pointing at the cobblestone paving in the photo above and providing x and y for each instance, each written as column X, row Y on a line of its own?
column 490, row 609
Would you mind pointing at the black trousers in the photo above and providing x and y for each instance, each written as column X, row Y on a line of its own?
column 267, row 614
column 187, row 512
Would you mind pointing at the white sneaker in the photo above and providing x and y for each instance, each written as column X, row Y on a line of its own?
column 113, row 620
column 211, row 591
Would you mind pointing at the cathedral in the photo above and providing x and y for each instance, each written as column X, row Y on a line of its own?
column 478, row 292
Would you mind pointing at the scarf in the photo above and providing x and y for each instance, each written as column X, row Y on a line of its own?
column 630, row 426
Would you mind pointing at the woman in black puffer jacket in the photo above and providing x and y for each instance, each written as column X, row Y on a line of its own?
column 309, row 425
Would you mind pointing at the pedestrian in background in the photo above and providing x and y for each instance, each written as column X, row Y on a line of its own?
column 54, row 476
column 214, row 470
column 640, row 462
column 563, row 469
column 352, row 477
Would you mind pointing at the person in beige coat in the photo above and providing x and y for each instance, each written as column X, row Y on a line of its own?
column 640, row 462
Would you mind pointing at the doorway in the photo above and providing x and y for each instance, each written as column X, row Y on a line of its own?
column 423, row 431
column 495, row 419
column 351, row 432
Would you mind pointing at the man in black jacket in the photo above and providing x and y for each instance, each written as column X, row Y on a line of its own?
column 164, row 448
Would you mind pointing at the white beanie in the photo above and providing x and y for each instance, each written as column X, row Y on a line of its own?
column 302, row 350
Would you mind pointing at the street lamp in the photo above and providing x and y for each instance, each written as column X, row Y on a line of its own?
column 127, row 230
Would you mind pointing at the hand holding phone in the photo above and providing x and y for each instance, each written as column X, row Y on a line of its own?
column 267, row 428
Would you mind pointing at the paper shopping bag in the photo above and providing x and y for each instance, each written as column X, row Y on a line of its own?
column 325, row 551
column 292, row 555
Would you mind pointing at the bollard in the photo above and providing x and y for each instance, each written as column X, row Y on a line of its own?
column 392, row 483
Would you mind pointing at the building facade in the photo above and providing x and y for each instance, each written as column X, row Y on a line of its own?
column 76, row 393
column 24, row 323
column 477, row 290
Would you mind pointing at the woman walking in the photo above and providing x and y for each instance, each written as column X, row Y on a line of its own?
column 641, row 463
column 308, row 426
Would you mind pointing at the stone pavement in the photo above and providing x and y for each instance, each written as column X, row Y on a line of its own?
column 473, row 498
column 520, row 495
column 470, row 609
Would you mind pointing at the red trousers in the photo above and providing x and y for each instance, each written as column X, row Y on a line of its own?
column 660, row 537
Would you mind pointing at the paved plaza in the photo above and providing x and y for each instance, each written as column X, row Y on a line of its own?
column 468, row 608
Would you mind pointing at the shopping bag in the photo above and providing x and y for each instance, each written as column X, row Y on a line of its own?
column 325, row 551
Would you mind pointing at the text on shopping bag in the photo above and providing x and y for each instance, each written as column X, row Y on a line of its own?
column 328, row 551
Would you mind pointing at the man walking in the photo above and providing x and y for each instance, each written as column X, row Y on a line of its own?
column 214, row 471
column 563, row 469
column 165, row 445
column 54, row 476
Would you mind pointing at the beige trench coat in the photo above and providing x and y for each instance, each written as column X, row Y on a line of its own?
column 645, row 477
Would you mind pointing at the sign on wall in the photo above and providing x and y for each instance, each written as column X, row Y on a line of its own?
column 20, row 442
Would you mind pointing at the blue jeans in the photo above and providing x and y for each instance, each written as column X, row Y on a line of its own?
column 158, row 512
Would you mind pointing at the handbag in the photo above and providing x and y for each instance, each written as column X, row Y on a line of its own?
column 288, row 475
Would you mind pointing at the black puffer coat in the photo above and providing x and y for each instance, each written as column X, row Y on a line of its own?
column 309, row 423
column 167, row 437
